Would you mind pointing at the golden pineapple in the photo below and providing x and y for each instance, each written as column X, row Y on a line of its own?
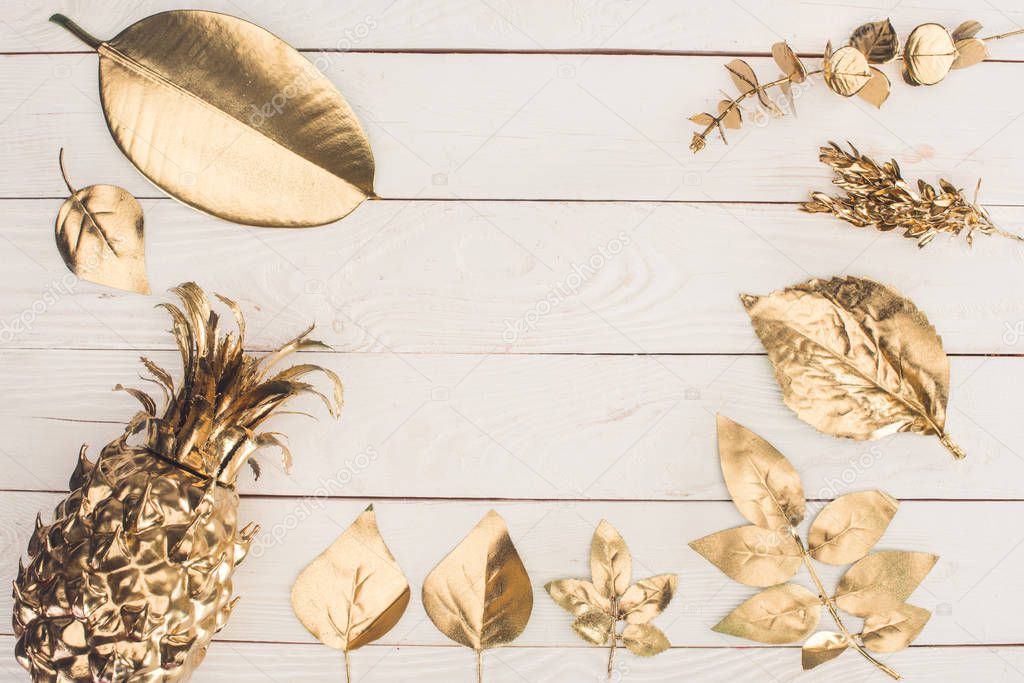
column 133, row 577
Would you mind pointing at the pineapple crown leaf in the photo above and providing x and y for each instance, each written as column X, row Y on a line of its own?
column 209, row 420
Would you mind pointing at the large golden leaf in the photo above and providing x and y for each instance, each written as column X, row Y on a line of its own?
column 894, row 629
column 752, row 555
column 848, row 527
column 354, row 592
column 480, row 594
column 776, row 615
column 611, row 565
column 928, row 54
column 647, row 598
column 882, row 581
column 229, row 119
column 823, row 646
column 846, row 70
column 99, row 233
column 761, row 481
column 854, row 358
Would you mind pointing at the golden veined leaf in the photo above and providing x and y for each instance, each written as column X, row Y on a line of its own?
column 877, row 89
column 703, row 119
column 849, row 526
column 752, row 555
column 967, row 29
column 877, row 41
column 226, row 117
column 854, row 358
column 846, row 70
column 882, row 580
column 894, row 629
column 611, row 565
column 99, row 232
column 745, row 80
column 647, row 598
column 762, row 483
column 928, row 54
column 480, row 594
column 577, row 596
column 594, row 626
column 733, row 117
column 776, row 616
column 969, row 51
column 790, row 64
column 645, row 640
column 354, row 592
column 823, row 646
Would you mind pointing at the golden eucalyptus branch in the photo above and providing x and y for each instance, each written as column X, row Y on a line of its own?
column 928, row 54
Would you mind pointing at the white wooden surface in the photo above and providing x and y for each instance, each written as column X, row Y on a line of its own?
column 516, row 141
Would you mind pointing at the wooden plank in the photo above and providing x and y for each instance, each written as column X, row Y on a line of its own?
column 545, row 126
column 504, row 277
column 975, row 579
column 312, row 663
column 551, row 427
column 701, row 25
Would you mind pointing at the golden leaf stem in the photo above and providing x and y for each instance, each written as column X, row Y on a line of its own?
column 614, row 633
column 717, row 122
column 479, row 666
column 827, row 601
column 952, row 446
column 1003, row 35
column 79, row 32
column 348, row 668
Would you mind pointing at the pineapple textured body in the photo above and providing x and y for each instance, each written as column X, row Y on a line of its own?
column 133, row 577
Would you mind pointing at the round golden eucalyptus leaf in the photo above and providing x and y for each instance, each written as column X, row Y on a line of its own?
column 846, row 71
column 929, row 54
column 790, row 64
column 969, row 51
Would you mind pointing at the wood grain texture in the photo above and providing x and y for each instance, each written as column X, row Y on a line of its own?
column 697, row 25
column 547, row 426
column 544, row 126
column 505, row 277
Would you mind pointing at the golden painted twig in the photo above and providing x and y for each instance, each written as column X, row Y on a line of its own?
column 877, row 195
column 928, row 54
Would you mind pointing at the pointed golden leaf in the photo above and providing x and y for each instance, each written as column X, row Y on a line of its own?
column 745, row 80
column 877, row 89
column 882, row 580
column 854, row 358
column 99, row 234
column 762, row 483
column 227, row 118
column 645, row 640
column 848, row 527
column 734, row 118
column 967, row 29
column 611, row 566
column 846, row 70
column 776, row 616
column 703, row 119
column 790, row 64
column 894, row 629
column 787, row 89
column 480, row 594
column 969, row 51
column 647, row 598
column 354, row 592
column 928, row 54
column 877, row 40
column 823, row 646
column 752, row 555
column 577, row 596
column 594, row 626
